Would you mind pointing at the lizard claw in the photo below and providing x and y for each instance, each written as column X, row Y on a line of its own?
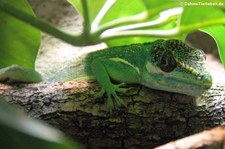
column 120, row 85
column 101, row 93
column 121, row 89
column 113, row 99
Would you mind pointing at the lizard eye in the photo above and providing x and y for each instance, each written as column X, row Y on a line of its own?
column 167, row 63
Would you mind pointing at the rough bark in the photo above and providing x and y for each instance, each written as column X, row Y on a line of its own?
column 151, row 117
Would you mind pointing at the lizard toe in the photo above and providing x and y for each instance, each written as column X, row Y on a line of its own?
column 101, row 93
column 109, row 102
column 118, row 100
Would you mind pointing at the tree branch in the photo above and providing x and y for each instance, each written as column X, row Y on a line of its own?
column 151, row 118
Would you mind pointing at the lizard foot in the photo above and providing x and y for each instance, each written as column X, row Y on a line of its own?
column 113, row 99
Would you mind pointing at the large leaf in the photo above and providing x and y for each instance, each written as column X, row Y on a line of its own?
column 155, row 6
column 19, row 42
column 19, row 132
column 163, row 28
column 193, row 18
column 197, row 17
column 217, row 32
column 124, row 8
column 137, row 7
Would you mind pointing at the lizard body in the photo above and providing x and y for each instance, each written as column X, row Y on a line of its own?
column 168, row 65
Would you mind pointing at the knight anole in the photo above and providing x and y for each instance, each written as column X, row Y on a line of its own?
column 165, row 65
column 168, row 65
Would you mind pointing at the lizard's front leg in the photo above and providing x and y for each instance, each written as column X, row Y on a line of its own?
column 117, row 69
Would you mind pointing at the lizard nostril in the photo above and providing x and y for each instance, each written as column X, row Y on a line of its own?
column 207, row 80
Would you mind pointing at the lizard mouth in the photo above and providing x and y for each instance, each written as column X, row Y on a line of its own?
column 205, row 82
column 182, row 86
column 193, row 88
column 188, row 84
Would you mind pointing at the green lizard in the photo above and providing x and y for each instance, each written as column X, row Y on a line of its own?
column 167, row 65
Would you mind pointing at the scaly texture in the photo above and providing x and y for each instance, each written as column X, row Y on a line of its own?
column 168, row 65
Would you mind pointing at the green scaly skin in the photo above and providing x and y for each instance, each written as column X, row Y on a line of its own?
column 164, row 65
column 167, row 65
column 15, row 73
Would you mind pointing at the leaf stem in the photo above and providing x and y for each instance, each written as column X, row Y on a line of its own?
column 124, row 20
column 108, row 4
column 164, row 16
column 104, row 32
column 87, row 26
column 42, row 25
column 147, row 33
column 199, row 25
column 161, row 33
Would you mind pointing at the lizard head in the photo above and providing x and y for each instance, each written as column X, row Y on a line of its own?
column 175, row 67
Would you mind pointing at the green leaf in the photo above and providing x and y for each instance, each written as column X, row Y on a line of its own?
column 19, row 132
column 155, row 6
column 198, row 17
column 146, row 6
column 192, row 18
column 217, row 32
column 165, row 26
column 19, row 41
column 124, row 8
